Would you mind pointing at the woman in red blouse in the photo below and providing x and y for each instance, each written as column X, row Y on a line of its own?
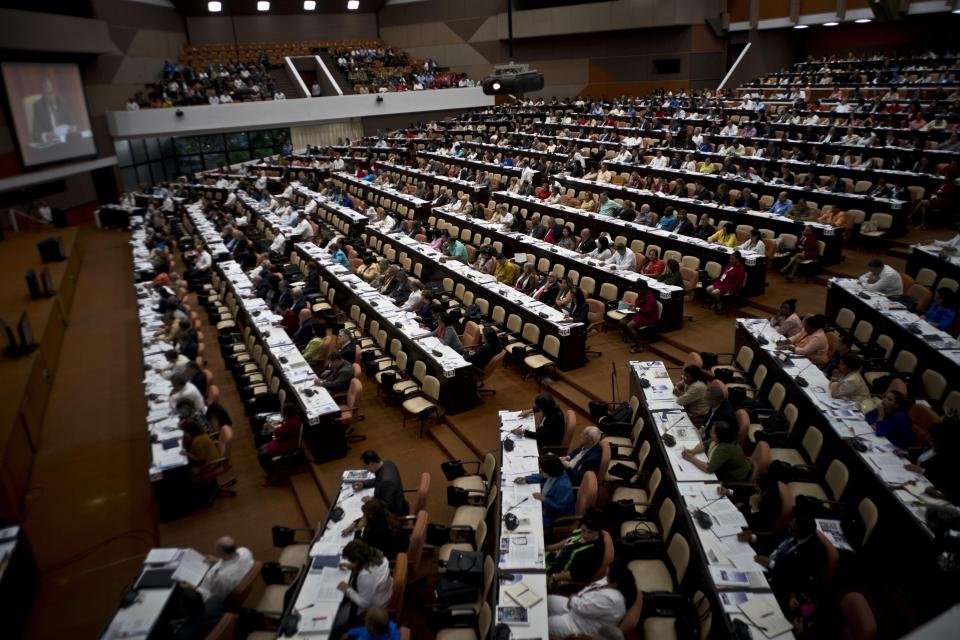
column 643, row 314
column 730, row 280
column 284, row 439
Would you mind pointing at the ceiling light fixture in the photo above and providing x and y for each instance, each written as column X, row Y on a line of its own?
column 830, row 24
column 263, row 5
column 353, row 5
column 801, row 26
column 309, row 5
column 863, row 20
column 214, row 7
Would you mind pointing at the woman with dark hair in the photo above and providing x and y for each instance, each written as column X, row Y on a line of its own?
column 785, row 320
column 567, row 241
column 725, row 457
column 691, row 391
column 371, row 584
column 528, row 280
column 891, row 419
column 550, row 430
column 197, row 447
column 808, row 248
column 581, row 310
column 603, row 250
column 488, row 349
column 643, row 313
column 762, row 509
column 380, row 529
column 284, row 439
column 557, row 490
column 942, row 312
column 811, row 342
column 671, row 274
column 596, row 608
column 565, row 298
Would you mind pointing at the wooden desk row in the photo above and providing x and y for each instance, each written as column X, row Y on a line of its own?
column 476, row 192
column 572, row 264
column 388, row 198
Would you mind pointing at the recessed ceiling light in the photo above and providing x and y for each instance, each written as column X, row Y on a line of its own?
column 863, row 20
column 214, row 7
column 353, row 5
column 830, row 24
column 263, row 5
column 801, row 26
column 309, row 5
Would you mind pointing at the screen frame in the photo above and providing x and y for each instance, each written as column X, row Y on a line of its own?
column 10, row 123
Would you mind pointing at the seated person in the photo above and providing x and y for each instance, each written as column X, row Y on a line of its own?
column 847, row 382
column 725, row 457
column 377, row 625
column 891, row 421
column 488, row 349
column 808, row 248
column 550, row 430
column 284, row 439
column 797, row 563
column 653, row 265
column 578, row 557
column 785, row 320
column 528, row 280
column 811, row 342
column 380, row 529
column 446, row 333
column 882, row 278
column 595, row 609
column 729, row 282
column 585, row 457
column 762, row 509
column 371, row 584
column 557, row 494
column 726, row 236
column 942, row 312
column 671, row 274
column 338, row 373
column 198, row 448
column 643, row 313
column 691, row 391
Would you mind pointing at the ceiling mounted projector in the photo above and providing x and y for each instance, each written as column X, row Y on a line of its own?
column 512, row 79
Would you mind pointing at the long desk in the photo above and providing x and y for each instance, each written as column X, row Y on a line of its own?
column 457, row 384
column 298, row 377
column 935, row 349
column 832, row 237
column 318, row 603
column 477, row 192
column 902, row 538
column 481, row 165
column 155, row 605
column 670, row 297
column 169, row 468
column 929, row 256
column 349, row 222
column 203, row 227
column 572, row 335
column 716, row 550
column 521, row 553
column 754, row 263
column 416, row 206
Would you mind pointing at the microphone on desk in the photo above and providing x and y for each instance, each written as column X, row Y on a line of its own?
column 704, row 519
column 666, row 436
column 510, row 520
column 799, row 377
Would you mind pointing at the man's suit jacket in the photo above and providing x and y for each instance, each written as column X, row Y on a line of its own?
column 42, row 120
column 723, row 413
column 388, row 488
column 589, row 462
column 339, row 379
column 305, row 333
column 549, row 295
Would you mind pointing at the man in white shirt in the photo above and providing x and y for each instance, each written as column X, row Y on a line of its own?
column 309, row 208
column 230, row 565
column 527, row 174
column 882, row 278
column 622, row 260
column 303, row 231
column 261, row 182
column 185, row 391
column 231, row 200
column 659, row 161
column 288, row 192
column 204, row 261
column 167, row 206
column 278, row 244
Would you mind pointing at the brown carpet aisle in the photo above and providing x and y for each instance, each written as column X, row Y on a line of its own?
column 88, row 508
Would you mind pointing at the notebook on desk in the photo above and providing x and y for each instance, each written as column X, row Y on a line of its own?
column 155, row 579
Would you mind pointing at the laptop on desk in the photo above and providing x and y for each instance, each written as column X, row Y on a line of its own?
column 155, row 579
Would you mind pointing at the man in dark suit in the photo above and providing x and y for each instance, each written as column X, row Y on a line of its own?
column 548, row 290
column 49, row 112
column 305, row 333
column 720, row 410
column 386, row 482
column 586, row 457
column 797, row 563
column 336, row 377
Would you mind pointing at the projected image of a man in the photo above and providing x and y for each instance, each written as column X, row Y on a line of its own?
column 52, row 118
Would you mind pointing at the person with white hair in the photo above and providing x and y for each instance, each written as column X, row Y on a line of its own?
column 586, row 457
column 230, row 564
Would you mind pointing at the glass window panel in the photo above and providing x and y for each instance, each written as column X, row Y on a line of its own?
column 156, row 169
column 239, row 156
column 124, row 155
column 191, row 164
column 139, row 151
column 237, row 141
column 153, row 148
column 261, row 139
column 262, row 153
column 143, row 175
column 186, row 146
column 212, row 143
column 128, row 177
column 214, row 160
column 170, row 168
column 166, row 146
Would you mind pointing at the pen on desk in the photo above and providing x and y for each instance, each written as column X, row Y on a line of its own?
column 315, row 618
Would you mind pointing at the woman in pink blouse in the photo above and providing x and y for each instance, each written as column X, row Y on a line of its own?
column 811, row 342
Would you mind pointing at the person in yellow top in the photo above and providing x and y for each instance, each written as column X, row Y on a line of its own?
column 369, row 270
column 590, row 202
column 506, row 271
column 198, row 448
column 319, row 347
column 726, row 235
column 708, row 166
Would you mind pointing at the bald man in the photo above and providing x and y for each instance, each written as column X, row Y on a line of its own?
column 586, row 457
column 229, row 566
column 305, row 333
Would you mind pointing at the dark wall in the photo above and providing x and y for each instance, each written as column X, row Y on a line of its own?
column 282, row 28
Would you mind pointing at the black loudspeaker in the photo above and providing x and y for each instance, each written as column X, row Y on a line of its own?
column 886, row 10
column 51, row 250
